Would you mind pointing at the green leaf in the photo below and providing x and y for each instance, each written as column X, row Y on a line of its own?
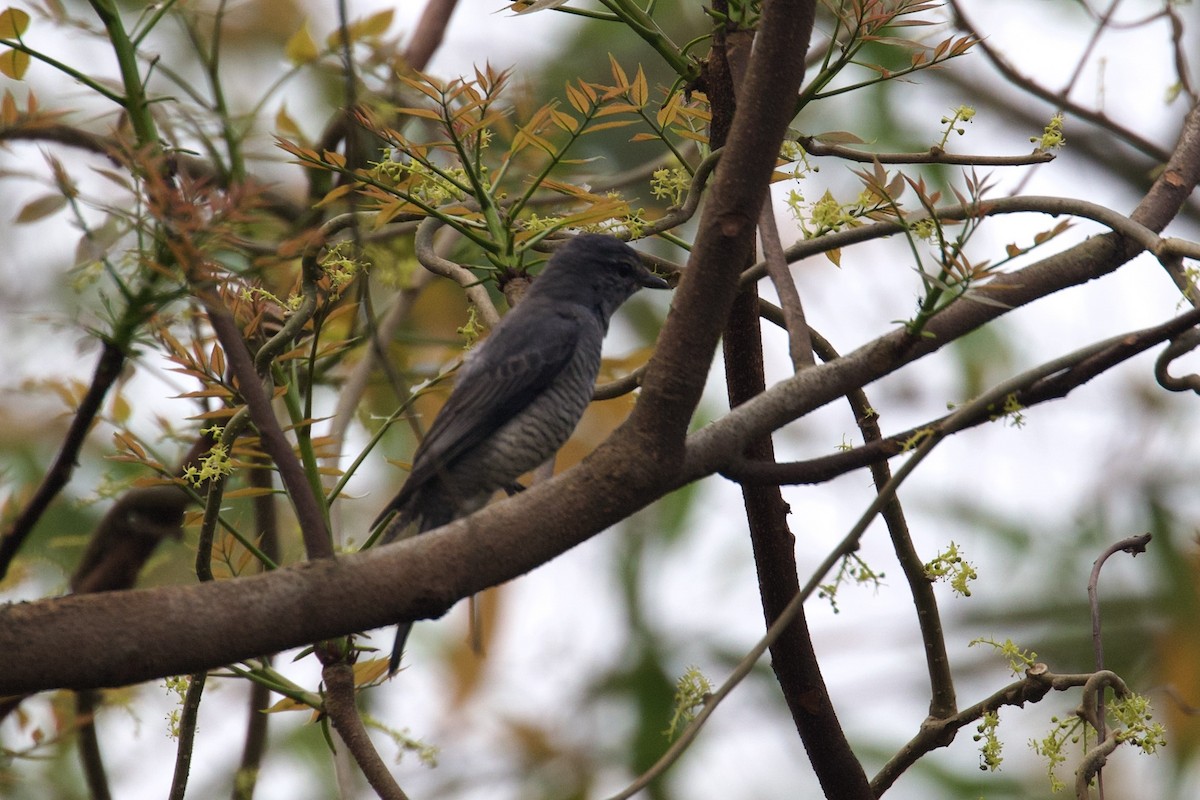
column 13, row 64
column 375, row 25
column 366, row 28
column 285, row 125
column 13, row 23
column 301, row 48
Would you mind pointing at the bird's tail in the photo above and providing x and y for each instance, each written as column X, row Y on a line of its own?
column 401, row 526
column 402, row 631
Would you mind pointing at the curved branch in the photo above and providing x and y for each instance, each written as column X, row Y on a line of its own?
column 691, row 203
column 936, row 733
column 1141, row 234
column 476, row 293
column 934, row 155
column 1183, row 344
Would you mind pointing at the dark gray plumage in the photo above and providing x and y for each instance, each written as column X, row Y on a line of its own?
column 520, row 393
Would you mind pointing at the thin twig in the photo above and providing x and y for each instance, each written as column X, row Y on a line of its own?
column 942, row 701
column 691, row 203
column 90, row 758
column 1091, row 710
column 799, row 344
column 188, row 718
column 266, row 523
column 1134, row 545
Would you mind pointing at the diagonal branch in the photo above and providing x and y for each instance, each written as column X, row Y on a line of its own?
column 108, row 369
column 876, row 450
column 313, row 525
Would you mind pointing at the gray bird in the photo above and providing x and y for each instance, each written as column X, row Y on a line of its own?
column 518, row 395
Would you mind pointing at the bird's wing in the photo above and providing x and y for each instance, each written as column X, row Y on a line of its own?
column 512, row 367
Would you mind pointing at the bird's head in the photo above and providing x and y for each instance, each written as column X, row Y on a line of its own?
column 596, row 270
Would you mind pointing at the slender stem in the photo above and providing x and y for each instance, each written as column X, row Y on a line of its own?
column 1132, row 545
column 644, row 26
column 800, row 345
column 86, row 80
column 136, row 104
column 254, row 748
column 158, row 11
column 212, row 61
column 942, row 702
column 187, row 735
column 86, row 703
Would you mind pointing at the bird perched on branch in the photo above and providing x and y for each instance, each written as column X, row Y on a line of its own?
column 520, row 393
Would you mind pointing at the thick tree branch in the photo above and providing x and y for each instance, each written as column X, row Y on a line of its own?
column 792, row 655
column 793, row 658
column 427, row 36
column 672, row 384
column 85, row 642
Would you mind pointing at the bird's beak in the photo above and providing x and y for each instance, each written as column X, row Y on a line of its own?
column 651, row 281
